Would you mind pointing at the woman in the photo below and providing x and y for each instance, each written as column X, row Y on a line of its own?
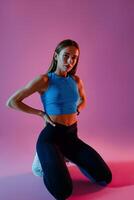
column 63, row 97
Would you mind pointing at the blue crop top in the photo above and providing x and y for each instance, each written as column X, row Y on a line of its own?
column 61, row 96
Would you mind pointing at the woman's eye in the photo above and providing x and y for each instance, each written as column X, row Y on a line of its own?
column 65, row 55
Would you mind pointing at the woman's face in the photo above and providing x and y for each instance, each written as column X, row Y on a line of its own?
column 67, row 58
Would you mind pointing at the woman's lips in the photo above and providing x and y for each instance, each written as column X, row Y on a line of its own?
column 66, row 67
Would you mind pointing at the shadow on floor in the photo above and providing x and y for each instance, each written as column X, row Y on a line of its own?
column 27, row 186
column 123, row 173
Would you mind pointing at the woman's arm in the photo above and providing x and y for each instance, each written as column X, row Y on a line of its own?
column 39, row 84
column 15, row 101
column 82, row 94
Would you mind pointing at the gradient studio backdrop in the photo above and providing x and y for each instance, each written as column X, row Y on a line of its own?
column 30, row 31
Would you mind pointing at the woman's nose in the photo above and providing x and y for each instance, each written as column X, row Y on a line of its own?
column 70, row 61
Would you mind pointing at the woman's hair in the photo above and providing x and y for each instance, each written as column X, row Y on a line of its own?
column 63, row 44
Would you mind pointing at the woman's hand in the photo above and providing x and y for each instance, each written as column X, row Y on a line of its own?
column 46, row 118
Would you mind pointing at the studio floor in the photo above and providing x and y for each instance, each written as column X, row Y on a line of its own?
column 26, row 186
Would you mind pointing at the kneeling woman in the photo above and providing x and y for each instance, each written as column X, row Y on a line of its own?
column 63, row 97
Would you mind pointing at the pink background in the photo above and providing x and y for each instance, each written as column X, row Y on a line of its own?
column 104, row 29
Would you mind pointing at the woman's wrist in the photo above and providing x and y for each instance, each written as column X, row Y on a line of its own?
column 41, row 113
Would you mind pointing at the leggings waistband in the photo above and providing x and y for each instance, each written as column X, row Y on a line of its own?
column 65, row 126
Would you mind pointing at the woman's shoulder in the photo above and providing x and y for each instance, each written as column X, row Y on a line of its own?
column 76, row 78
column 41, row 82
column 79, row 81
column 43, row 77
column 38, row 79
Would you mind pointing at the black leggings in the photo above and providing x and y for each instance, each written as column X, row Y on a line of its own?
column 56, row 143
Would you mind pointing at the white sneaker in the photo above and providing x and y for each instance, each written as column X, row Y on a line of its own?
column 37, row 169
column 36, row 166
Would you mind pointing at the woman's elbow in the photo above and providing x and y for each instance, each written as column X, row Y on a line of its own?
column 84, row 103
column 84, row 100
column 10, row 103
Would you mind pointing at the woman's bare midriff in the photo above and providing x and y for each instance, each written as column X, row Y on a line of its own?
column 65, row 119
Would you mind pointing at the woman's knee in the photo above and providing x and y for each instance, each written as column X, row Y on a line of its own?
column 59, row 190
column 66, row 192
column 102, row 177
column 107, row 178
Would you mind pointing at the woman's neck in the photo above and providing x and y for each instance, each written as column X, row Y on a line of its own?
column 61, row 73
